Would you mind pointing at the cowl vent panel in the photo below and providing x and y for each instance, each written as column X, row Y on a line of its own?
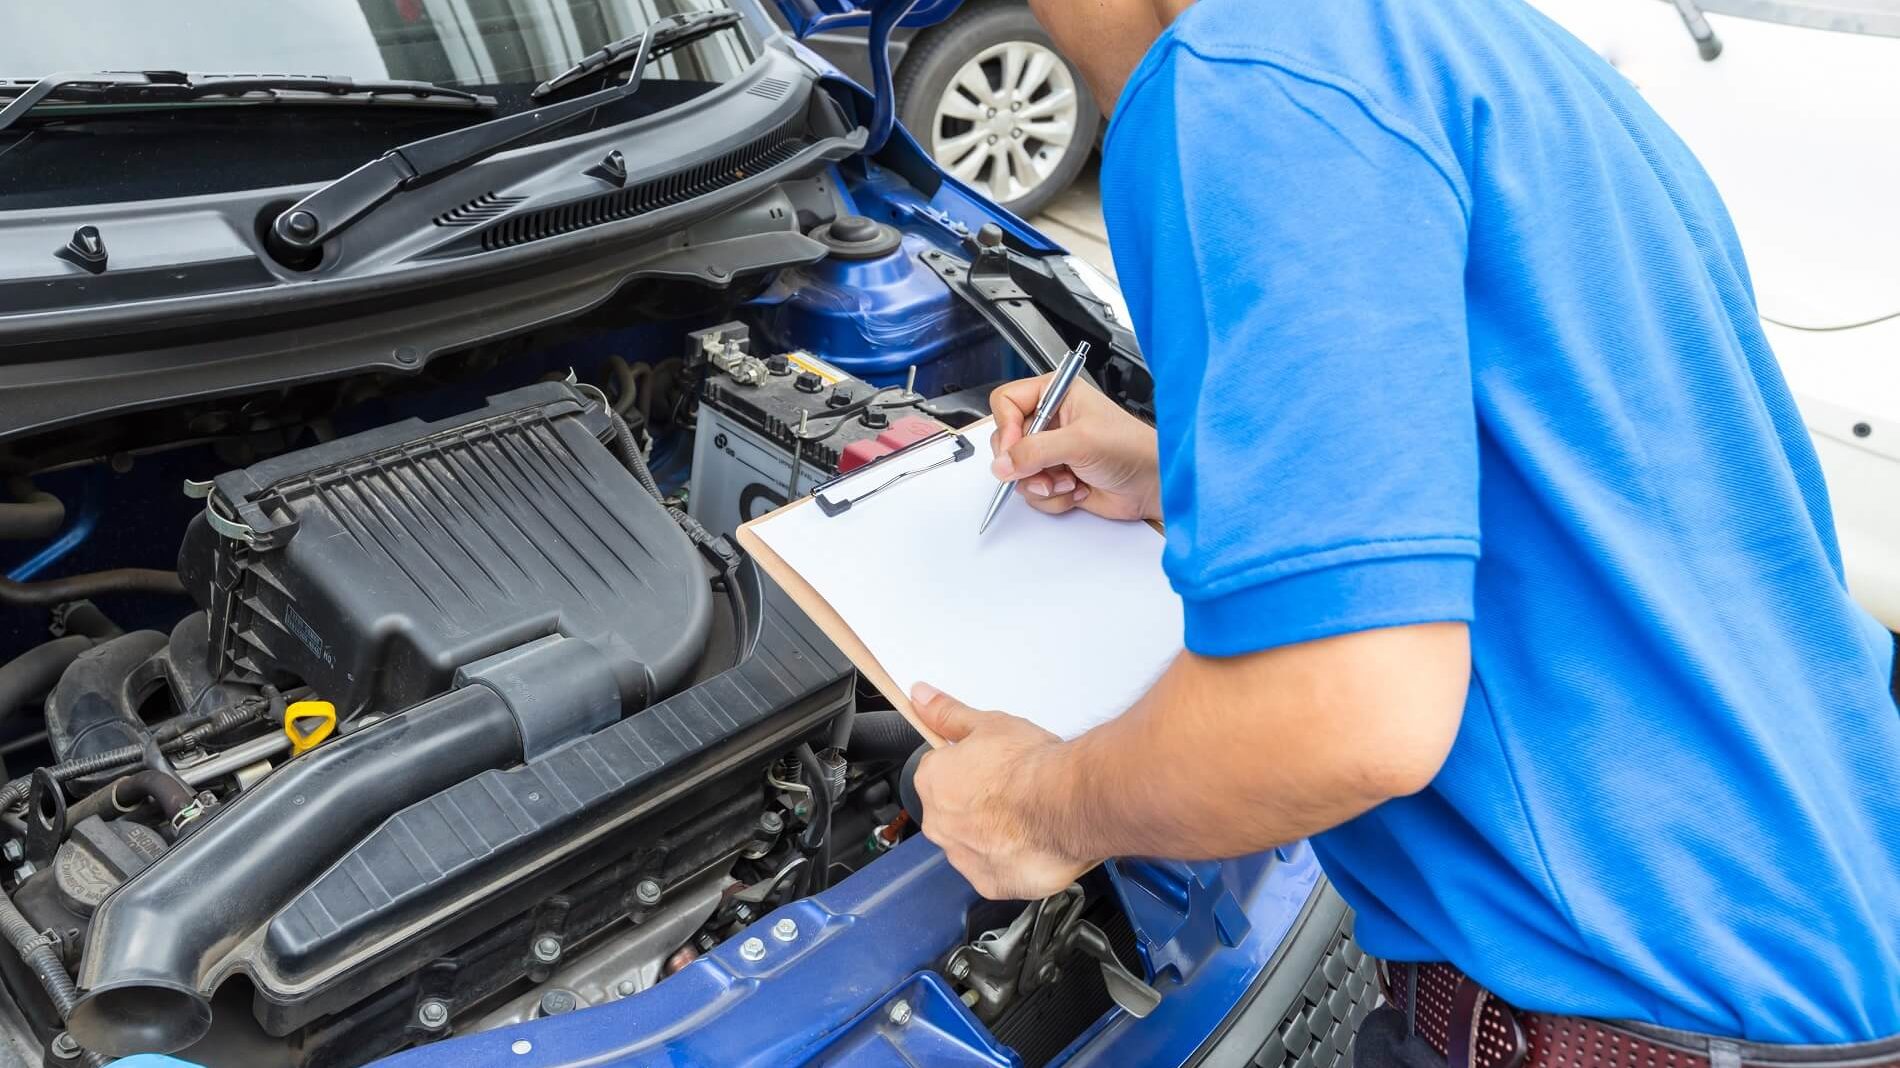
column 482, row 209
column 644, row 197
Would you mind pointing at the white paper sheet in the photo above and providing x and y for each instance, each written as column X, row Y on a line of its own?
column 1063, row 620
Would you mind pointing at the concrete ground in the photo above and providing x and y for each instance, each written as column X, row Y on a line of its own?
column 1074, row 220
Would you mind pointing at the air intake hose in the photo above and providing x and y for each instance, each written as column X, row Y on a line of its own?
column 159, row 943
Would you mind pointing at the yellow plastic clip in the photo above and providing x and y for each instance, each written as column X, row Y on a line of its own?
column 307, row 723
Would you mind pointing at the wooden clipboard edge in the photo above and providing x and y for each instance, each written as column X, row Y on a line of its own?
column 814, row 605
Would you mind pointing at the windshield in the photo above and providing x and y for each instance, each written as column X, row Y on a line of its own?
column 498, row 48
column 464, row 43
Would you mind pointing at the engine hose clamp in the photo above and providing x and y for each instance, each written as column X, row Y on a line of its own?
column 191, row 811
column 308, row 723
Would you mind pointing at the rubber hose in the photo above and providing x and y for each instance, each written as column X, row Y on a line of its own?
column 628, row 380
column 35, row 671
column 643, row 392
column 43, row 961
column 818, row 834
column 882, row 735
column 84, row 617
column 91, row 584
column 630, row 455
column 124, row 794
column 32, row 514
column 172, row 735
column 741, row 620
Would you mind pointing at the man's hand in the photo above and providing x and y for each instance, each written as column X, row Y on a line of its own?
column 1222, row 757
column 981, row 799
column 1093, row 455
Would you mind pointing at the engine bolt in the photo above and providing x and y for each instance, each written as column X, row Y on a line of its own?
column 960, row 967
column 547, row 949
column 900, row 1012
column 626, row 988
column 771, row 822
column 647, row 892
column 65, row 1047
column 785, row 930
column 752, row 949
column 12, row 851
column 743, row 912
column 432, row 1013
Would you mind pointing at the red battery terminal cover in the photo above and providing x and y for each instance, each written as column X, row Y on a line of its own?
column 906, row 431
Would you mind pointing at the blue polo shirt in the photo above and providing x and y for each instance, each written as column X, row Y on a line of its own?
column 1446, row 324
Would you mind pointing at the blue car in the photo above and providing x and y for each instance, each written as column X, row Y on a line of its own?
column 382, row 682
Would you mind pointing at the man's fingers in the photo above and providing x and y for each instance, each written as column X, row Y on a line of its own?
column 1061, row 446
column 1052, row 482
column 1013, row 403
column 949, row 718
column 1056, row 504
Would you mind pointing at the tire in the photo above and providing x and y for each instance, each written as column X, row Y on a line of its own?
column 955, row 73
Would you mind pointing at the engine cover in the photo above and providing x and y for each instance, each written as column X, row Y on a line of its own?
column 371, row 567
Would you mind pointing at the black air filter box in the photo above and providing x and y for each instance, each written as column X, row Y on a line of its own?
column 372, row 566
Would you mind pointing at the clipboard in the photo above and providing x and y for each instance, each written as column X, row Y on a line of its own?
column 901, row 578
column 836, row 496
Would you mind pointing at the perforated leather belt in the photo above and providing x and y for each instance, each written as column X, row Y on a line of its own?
column 1471, row 1028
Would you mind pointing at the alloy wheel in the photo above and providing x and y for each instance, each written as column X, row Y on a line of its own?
column 1006, row 119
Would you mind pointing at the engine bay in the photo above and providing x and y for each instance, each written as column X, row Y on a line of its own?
column 374, row 710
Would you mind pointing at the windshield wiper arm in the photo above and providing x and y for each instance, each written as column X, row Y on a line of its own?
column 326, row 212
column 675, row 31
column 171, row 86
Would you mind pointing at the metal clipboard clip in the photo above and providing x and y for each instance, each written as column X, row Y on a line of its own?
column 837, row 495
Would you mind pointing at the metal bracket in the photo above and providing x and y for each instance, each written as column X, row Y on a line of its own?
column 1009, row 963
column 986, row 286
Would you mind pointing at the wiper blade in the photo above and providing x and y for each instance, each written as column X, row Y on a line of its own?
column 672, row 32
column 326, row 212
column 179, row 87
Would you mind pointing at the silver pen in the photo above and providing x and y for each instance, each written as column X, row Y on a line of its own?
column 1045, row 410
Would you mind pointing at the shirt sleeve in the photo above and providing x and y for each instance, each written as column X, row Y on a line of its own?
column 1295, row 263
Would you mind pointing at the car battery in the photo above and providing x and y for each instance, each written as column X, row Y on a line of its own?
column 749, row 453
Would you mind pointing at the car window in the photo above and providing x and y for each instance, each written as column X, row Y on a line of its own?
column 1876, row 17
column 449, row 42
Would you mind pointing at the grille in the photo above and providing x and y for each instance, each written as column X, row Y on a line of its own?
column 480, row 210
column 1317, row 1029
column 665, row 191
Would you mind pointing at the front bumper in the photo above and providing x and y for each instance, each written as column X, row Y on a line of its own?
column 1236, row 979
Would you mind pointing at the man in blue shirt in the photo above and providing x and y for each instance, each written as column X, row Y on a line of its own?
column 1508, row 570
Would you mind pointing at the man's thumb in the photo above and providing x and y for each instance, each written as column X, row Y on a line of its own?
column 941, row 713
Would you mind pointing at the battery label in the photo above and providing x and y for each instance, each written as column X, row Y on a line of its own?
column 805, row 361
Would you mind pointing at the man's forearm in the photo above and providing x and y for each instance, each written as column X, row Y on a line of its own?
column 1226, row 757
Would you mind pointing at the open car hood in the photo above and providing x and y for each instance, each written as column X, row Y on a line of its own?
column 879, row 18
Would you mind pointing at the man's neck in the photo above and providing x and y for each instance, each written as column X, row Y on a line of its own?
column 1106, row 39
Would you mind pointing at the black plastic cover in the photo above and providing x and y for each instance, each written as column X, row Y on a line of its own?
column 374, row 566
column 490, row 840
